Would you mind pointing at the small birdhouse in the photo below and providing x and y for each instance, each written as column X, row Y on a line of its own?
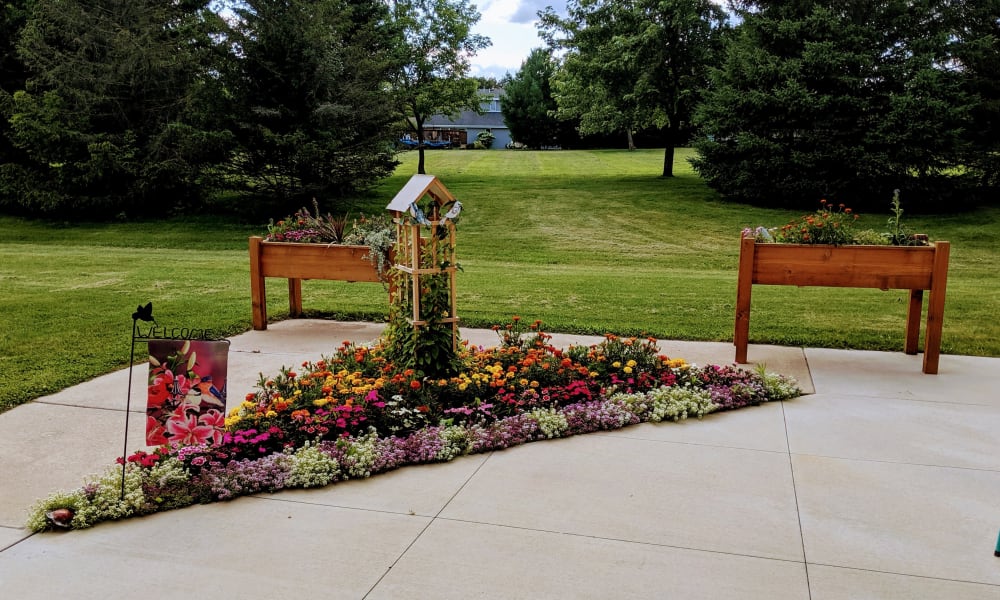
column 425, row 213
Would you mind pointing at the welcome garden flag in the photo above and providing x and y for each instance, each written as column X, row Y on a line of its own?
column 186, row 403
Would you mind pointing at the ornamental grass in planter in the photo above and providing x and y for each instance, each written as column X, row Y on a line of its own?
column 317, row 246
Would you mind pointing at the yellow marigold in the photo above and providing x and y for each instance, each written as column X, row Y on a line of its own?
column 630, row 363
column 270, row 414
column 627, row 370
column 616, row 364
column 321, row 401
column 523, row 381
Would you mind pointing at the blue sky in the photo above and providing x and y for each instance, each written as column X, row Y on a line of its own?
column 510, row 24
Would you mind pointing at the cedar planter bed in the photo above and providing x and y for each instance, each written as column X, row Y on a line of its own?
column 914, row 268
column 296, row 262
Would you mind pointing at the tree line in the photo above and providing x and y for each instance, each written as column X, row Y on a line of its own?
column 140, row 107
column 785, row 102
column 131, row 107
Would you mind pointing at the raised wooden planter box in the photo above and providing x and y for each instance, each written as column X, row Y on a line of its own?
column 296, row 262
column 914, row 268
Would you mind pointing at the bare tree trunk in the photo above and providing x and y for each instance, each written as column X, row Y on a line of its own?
column 668, row 160
column 631, row 142
column 668, row 152
column 420, row 146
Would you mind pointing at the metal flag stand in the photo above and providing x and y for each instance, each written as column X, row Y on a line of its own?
column 144, row 313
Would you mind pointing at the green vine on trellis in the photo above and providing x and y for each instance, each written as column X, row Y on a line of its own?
column 431, row 348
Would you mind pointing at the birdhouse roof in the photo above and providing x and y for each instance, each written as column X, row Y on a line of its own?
column 416, row 188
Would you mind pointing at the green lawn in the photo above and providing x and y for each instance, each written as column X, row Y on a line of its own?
column 587, row 241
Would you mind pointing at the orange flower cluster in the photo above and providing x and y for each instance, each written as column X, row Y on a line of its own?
column 828, row 225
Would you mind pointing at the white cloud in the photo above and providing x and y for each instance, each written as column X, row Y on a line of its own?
column 510, row 25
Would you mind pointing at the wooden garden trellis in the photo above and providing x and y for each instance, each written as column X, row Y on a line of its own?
column 411, row 226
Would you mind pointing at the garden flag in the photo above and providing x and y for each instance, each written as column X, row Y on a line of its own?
column 187, row 392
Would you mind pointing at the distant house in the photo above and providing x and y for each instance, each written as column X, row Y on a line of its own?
column 464, row 127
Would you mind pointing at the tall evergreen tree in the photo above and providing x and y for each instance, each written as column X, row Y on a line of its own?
column 843, row 100
column 311, row 111
column 633, row 65
column 529, row 109
column 105, row 124
column 13, row 78
column 976, row 27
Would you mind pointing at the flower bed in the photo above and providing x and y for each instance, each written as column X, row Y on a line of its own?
column 353, row 414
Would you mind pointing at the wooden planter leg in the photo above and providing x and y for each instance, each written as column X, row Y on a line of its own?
column 935, row 307
column 258, row 295
column 913, row 311
column 294, row 298
column 744, row 285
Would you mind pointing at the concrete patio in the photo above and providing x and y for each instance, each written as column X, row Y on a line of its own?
column 881, row 483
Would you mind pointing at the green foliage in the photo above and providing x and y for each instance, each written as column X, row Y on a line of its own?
column 429, row 348
column 309, row 103
column 839, row 101
column 836, row 225
column 485, row 139
column 437, row 42
column 633, row 65
column 976, row 47
column 528, row 105
column 110, row 118
column 13, row 76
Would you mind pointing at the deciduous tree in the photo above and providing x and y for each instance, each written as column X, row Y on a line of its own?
column 632, row 65
column 435, row 51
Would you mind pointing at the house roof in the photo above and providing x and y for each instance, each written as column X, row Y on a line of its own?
column 468, row 118
column 414, row 190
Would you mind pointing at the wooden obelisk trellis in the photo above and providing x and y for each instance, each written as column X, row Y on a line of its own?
column 415, row 230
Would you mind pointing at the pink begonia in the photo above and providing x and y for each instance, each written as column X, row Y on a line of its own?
column 187, row 431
